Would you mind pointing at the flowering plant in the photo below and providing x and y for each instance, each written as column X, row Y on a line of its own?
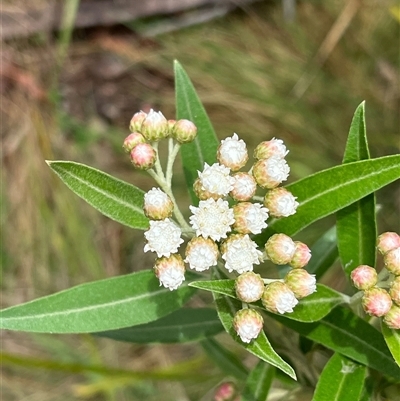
column 238, row 220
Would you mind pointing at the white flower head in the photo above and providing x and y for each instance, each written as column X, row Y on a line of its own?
column 301, row 282
column 157, row 204
column 279, row 298
column 240, row 253
column 155, row 126
column 248, row 324
column 232, row 152
column 244, row 187
column 250, row 218
column 212, row 219
column 249, row 287
column 280, row 249
column 280, row 202
column 201, row 253
column 269, row 173
column 170, row 271
column 163, row 237
column 272, row 148
column 216, row 179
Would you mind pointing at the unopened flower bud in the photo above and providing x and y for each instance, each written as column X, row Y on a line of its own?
column 201, row 193
column 136, row 121
column 280, row 202
column 301, row 282
column 394, row 291
column 278, row 298
column 171, row 125
column 280, row 249
column 232, row 153
column 249, row 217
column 244, row 187
column 184, row 131
column 269, row 173
column 225, row 392
column 157, row 204
column 387, row 241
column 376, row 301
column 132, row 140
column 272, row 148
column 154, row 126
column 392, row 261
column 143, row 156
column 248, row 324
column 201, row 253
column 170, row 271
column 249, row 287
column 364, row 277
column 301, row 256
column 392, row 318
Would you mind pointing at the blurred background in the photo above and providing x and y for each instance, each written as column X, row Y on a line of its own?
column 72, row 75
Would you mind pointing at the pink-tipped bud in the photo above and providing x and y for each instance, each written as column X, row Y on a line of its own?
column 244, row 187
column 301, row 282
column 232, row 153
column 184, row 131
column 225, row 392
column 249, row 287
column 136, row 121
column 154, row 126
column 143, row 156
column 278, row 298
column 132, row 140
column 280, row 249
column 364, row 277
column 248, row 324
column 272, row 148
column 392, row 261
column 202, row 193
column 157, row 204
column 170, row 271
column 394, row 291
column 201, row 253
column 250, row 218
column 301, row 257
column 269, row 173
column 392, row 318
column 376, row 301
column 280, row 202
column 387, row 241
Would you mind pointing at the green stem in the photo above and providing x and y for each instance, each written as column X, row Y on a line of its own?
column 172, row 153
column 157, row 165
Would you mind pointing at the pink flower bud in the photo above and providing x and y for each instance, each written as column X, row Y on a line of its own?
column 392, row 318
column 136, row 121
column 394, row 291
column 132, row 140
column 250, row 218
column 280, row 202
column 301, row 257
column 154, row 126
column 248, row 324
column 143, row 156
column 392, row 261
column 249, row 287
column 170, row 271
column 232, row 153
column 272, row 148
column 280, row 249
column 184, row 131
column 202, row 193
column 244, row 187
column 278, row 298
column 301, row 282
column 157, row 205
column 364, row 277
column 376, row 301
column 225, row 392
column 387, row 241
column 269, row 173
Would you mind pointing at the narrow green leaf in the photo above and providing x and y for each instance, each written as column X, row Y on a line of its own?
column 328, row 191
column 259, row 382
column 101, row 305
column 112, row 197
column 225, row 287
column 341, row 380
column 204, row 148
column 356, row 224
column 346, row 333
column 392, row 338
column 181, row 326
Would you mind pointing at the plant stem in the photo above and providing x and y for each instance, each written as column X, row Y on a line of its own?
column 172, row 153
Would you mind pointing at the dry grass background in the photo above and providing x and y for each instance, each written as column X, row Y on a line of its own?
column 257, row 74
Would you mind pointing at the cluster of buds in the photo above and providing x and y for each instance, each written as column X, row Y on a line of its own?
column 376, row 299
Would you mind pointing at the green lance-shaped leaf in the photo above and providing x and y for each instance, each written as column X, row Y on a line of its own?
column 348, row 334
column 101, row 305
column 328, row 191
column 181, row 326
column 259, row 382
column 392, row 338
column 309, row 309
column 114, row 198
column 204, row 148
column 356, row 224
column 341, row 380
column 260, row 347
